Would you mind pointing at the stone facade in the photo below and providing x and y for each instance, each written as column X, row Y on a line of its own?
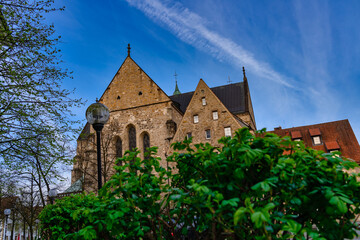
column 136, row 102
column 203, row 105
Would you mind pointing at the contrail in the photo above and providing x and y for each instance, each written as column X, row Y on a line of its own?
column 191, row 28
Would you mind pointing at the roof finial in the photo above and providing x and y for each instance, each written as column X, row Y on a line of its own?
column 128, row 48
column 229, row 81
column 97, row 100
column 245, row 78
column 177, row 91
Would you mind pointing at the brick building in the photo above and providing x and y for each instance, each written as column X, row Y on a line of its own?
column 143, row 115
column 328, row 137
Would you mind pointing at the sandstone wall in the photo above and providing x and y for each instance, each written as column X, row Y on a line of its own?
column 205, row 115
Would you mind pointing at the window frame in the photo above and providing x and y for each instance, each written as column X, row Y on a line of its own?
column 146, row 144
column 217, row 115
column 196, row 116
column 206, row 134
column 227, row 128
column 132, row 137
column 313, row 140
column 203, row 101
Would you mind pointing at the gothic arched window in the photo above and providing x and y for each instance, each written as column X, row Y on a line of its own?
column 118, row 149
column 146, row 144
column 132, row 138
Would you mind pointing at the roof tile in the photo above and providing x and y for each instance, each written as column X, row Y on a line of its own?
column 296, row 134
column 231, row 95
column 314, row 132
column 332, row 145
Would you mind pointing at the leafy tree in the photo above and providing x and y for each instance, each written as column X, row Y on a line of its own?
column 33, row 105
column 251, row 188
column 35, row 117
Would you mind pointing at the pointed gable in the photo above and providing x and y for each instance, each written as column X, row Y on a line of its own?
column 132, row 87
column 199, row 119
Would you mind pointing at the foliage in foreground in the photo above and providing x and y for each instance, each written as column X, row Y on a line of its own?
column 251, row 188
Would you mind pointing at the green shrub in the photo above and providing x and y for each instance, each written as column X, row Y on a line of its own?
column 251, row 188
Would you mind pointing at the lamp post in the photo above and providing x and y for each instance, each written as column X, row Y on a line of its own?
column 37, row 221
column 97, row 115
column 7, row 212
column 52, row 195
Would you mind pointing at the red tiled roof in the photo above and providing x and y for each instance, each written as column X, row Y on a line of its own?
column 338, row 131
column 332, row 145
column 314, row 132
column 296, row 134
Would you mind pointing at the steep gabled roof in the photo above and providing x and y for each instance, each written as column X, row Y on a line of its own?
column 232, row 96
column 132, row 87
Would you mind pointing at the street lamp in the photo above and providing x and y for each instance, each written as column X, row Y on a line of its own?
column 37, row 221
column 97, row 115
column 52, row 195
column 7, row 212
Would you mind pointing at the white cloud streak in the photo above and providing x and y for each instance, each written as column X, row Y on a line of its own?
column 191, row 28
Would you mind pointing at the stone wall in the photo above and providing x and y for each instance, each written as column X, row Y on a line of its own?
column 205, row 116
column 133, row 100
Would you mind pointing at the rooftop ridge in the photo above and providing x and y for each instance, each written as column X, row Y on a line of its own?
column 238, row 83
column 311, row 125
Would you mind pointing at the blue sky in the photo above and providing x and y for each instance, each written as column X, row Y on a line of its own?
column 302, row 58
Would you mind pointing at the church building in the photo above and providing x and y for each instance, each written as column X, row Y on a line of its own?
column 143, row 115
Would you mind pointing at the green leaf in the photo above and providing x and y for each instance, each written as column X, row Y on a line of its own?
column 175, row 197
column 339, row 204
column 256, row 186
column 269, row 206
column 292, row 226
column 258, row 218
column 239, row 214
column 296, row 201
column 344, row 199
column 232, row 202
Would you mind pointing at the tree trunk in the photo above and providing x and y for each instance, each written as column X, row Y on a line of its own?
column 24, row 229
column 12, row 225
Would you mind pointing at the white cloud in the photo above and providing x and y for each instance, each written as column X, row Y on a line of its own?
column 192, row 29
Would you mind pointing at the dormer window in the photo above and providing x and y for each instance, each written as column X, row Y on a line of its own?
column 296, row 136
column 315, row 136
column 332, row 146
column 316, row 140
column 196, row 118
column 203, row 101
